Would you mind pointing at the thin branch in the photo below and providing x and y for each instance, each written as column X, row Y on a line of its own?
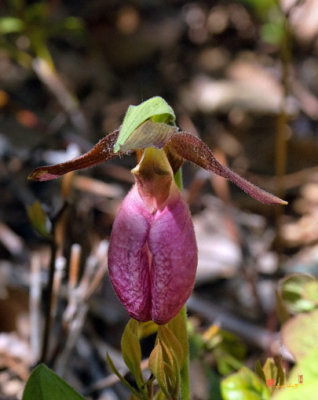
column 48, row 310
column 48, row 318
column 35, row 302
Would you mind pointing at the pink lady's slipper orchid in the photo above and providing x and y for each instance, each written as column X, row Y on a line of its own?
column 152, row 254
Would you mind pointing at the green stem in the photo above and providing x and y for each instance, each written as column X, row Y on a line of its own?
column 178, row 179
column 185, row 371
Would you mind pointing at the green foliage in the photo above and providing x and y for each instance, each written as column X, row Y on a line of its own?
column 156, row 109
column 229, row 353
column 310, row 292
column 214, row 384
column 160, row 365
column 299, row 294
column 39, row 219
column 44, row 384
column 273, row 32
column 197, row 345
column 178, row 328
column 261, row 7
column 273, row 29
column 167, row 337
column 293, row 293
column 165, row 361
column 131, row 351
column 121, row 378
column 226, row 348
column 294, row 390
column 33, row 21
column 244, row 384
column 300, row 334
column 271, row 371
column 10, row 25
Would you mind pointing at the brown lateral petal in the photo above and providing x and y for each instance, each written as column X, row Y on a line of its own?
column 196, row 151
column 174, row 158
column 102, row 151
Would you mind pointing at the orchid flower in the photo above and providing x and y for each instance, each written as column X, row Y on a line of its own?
column 152, row 254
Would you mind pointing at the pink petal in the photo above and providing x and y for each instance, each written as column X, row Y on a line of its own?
column 173, row 247
column 128, row 259
column 152, row 258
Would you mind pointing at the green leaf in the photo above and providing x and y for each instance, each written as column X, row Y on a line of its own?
column 300, row 334
column 11, row 25
column 271, row 371
column 160, row 395
column 308, row 371
column 259, row 371
column 310, row 292
column 214, row 384
column 291, row 292
column 39, row 219
column 226, row 363
column 37, row 12
column 171, row 370
column 178, row 327
column 232, row 344
column 44, row 384
column 228, row 351
column 273, row 32
column 156, row 109
column 120, row 377
column 244, row 385
column 196, row 345
column 156, row 366
column 131, row 351
column 166, row 336
column 73, row 24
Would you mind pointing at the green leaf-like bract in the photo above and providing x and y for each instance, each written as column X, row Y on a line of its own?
column 167, row 337
column 156, row 366
column 131, row 351
column 44, row 384
column 39, row 219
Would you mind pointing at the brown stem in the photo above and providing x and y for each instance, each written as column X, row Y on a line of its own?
column 48, row 318
column 48, row 310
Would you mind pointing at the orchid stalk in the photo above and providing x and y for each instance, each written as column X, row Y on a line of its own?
column 152, row 254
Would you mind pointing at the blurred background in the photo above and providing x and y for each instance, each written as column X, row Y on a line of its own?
column 243, row 76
